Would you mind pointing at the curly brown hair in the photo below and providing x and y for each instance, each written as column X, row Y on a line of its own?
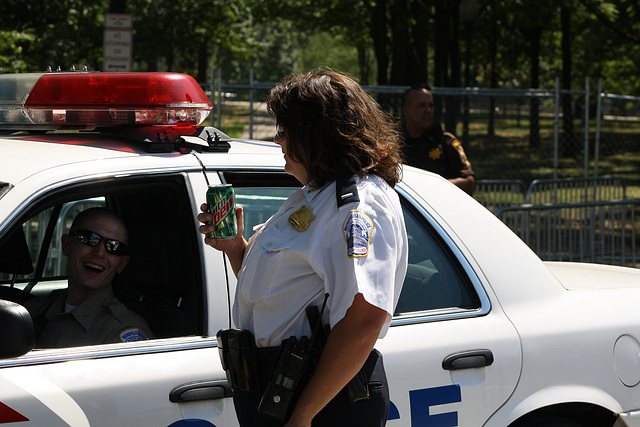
column 333, row 126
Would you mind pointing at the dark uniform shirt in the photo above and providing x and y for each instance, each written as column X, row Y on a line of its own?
column 100, row 319
column 439, row 152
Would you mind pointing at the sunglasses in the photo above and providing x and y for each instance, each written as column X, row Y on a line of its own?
column 112, row 246
column 279, row 132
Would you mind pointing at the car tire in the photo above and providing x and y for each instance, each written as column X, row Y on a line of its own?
column 546, row 421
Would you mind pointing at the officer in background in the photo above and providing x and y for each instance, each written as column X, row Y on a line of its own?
column 87, row 312
column 427, row 146
column 341, row 235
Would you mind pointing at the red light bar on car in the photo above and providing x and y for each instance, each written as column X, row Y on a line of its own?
column 90, row 100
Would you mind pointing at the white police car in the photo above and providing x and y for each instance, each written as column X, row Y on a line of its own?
column 485, row 333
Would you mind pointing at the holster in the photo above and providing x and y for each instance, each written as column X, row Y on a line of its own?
column 358, row 387
column 237, row 348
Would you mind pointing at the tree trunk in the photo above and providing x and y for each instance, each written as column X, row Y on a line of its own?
column 400, row 52
column 419, row 57
column 363, row 65
column 203, row 62
column 534, row 106
column 380, row 39
column 440, row 57
column 493, row 77
column 455, row 66
column 568, row 141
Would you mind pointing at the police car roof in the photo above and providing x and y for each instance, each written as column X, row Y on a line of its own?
column 25, row 155
column 54, row 120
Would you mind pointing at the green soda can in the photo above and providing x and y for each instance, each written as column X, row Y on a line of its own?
column 222, row 205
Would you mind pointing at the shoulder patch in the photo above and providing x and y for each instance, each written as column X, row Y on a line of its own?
column 357, row 230
column 463, row 156
column 131, row 335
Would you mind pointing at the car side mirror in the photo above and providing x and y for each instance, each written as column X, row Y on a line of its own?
column 17, row 335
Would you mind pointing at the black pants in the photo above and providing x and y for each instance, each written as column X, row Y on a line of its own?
column 339, row 412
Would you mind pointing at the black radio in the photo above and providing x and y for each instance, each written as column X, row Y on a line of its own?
column 290, row 376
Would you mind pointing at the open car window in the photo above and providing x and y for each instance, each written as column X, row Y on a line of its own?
column 163, row 281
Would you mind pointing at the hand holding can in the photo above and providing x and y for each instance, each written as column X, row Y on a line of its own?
column 222, row 205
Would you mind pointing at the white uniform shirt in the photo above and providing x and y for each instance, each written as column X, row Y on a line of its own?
column 359, row 248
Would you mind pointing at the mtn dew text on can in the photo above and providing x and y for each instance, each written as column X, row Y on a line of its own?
column 222, row 205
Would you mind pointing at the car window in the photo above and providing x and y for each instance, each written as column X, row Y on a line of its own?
column 260, row 194
column 434, row 278
column 163, row 281
column 43, row 238
column 259, row 203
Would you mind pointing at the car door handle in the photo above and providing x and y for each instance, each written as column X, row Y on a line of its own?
column 467, row 360
column 201, row 390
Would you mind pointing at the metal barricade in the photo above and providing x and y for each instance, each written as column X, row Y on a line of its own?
column 602, row 232
column 576, row 190
column 496, row 193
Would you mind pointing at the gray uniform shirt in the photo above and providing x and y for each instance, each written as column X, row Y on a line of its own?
column 100, row 319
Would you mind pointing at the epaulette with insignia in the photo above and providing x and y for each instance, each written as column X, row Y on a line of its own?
column 346, row 189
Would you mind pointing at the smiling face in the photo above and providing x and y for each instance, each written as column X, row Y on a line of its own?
column 92, row 268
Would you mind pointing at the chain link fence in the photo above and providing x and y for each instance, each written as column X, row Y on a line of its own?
column 508, row 134
column 617, row 137
column 561, row 168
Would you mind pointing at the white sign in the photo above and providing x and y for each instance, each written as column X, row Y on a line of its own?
column 118, row 20
column 118, row 42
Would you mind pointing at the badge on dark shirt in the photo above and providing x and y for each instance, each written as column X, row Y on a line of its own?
column 435, row 153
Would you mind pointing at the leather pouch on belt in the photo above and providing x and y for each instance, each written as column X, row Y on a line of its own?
column 237, row 350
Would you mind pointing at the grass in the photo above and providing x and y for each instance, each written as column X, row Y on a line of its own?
column 234, row 118
column 509, row 153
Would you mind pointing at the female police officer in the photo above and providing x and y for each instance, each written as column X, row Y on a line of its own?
column 341, row 235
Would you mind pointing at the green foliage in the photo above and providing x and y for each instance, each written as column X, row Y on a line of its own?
column 326, row 50
column 182, row 35
column 61, row 33
column 341, row 24
column 512, row 43
column 11, row 47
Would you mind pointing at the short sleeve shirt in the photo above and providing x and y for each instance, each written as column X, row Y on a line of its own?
column 438, row 152
column 360, row 247
column 100, row 319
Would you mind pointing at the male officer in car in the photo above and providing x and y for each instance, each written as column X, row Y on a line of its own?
column 427, row 146
column 87, row 312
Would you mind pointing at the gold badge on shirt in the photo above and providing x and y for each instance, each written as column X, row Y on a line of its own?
column 435, row 153
column 301, row 219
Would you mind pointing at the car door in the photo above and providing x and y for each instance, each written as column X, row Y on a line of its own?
column 173, row 379
column 452, row 357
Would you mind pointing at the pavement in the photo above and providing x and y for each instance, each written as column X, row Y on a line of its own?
column 264, row 127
